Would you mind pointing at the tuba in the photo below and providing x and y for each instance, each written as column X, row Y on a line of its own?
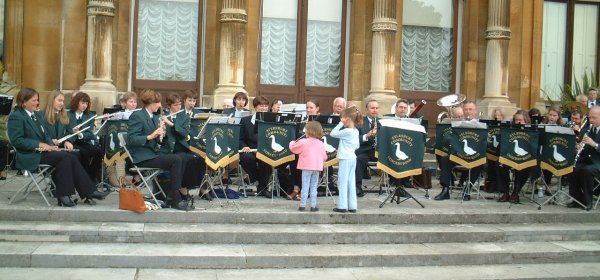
column 449, row 102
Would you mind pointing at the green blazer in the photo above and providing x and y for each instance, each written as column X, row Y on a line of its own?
column 57, row 130
column 88, row 135
column 25, row 135
column 369, row 145
column 176, row 137
column 140, row 126
column 594, row 154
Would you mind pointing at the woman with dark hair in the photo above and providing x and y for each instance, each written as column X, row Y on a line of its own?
column 520, row 118
column 87, row 143
column 240, row 100
column 29, row 136
column 144, row 133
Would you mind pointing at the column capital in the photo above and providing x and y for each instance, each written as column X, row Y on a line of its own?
column 101, row 8
column 233, row 15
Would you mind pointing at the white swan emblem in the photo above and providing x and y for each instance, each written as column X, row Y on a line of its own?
column 112, row 142
column 328, row 148
column 468, row 149
column 518, row 150
column 495, row 142
column 217, row 149
column 558, row 157
column 400, row 154
column 274, row 145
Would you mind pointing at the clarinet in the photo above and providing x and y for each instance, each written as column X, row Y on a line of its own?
column 582, row 146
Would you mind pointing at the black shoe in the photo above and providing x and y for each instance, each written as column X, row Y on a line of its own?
column 573, row 205
column 97, row 195
column 400, row 192
column 182, row 205
column 588, row 206
column 360, row 192
column 268, row 194
column 314, row 209
column 445, row 194
column 65, row 201
column 339, row 210
column 352, row 210
column 89, row 201
column 302, row 208
column 466, row 198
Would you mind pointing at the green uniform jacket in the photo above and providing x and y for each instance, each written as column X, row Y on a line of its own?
column 25, row 135
column 140, row 126
column 88, row 135
column 177, row 134
column 370, row 143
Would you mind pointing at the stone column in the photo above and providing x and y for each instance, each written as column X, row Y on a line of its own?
column 383, row 59
column 232, row 50
column 98, row 80
column 497, row 35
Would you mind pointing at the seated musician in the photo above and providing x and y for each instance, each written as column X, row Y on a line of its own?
column 89, row 150
column 497, row 115
column 366, row 151
column 339, row 104
column 257, row 170
column 189, row 99
column 57, row 119
column 401, row 111
column 579, row 127
column 446, row 165
column 520, row 176
column 145, row 130
column 28, row 134
column 553, row 118
column 587, row 167
column 128, row 104
column 276, row 106
column 240, row 100
column 176, row 142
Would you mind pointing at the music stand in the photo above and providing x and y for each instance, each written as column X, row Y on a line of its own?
column 102, row 132
column 469, row 150
column 328, row 122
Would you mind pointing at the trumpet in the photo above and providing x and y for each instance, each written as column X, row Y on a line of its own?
column 578, row 131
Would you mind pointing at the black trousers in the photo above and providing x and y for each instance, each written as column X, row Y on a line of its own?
column 520, row 178
column 256, row 170
column 581, row 181
column 91, row 159
column 194, row 170
column 171, row 162
column 361, row 166
column 446, row 172
column 69, row 174
column 3, row 154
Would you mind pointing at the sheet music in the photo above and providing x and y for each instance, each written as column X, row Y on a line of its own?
column 402, row 124
column 469, row 124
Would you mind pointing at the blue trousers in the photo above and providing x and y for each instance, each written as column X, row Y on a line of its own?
column 347, row 184
column 310, row 180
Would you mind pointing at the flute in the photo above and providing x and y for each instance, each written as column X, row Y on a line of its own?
column 86, row 121
column 40, row 150
column 72, row 134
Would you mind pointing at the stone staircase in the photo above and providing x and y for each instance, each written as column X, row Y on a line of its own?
column 449, row 239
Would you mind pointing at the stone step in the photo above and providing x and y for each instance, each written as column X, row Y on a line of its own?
column 293, row 233
column 280, row 213
column 147, row 255
column 467, row 272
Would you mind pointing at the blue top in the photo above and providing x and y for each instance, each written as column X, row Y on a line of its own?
column 348, row 141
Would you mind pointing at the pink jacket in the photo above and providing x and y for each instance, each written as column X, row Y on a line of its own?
column 312, row 153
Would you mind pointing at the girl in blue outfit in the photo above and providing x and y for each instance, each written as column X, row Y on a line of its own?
column 350, row 118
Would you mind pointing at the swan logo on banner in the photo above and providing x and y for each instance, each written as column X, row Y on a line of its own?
column 274, row 145
column 468, row 150
column 328, row 147
column 495, row 142
column 558, row 157
column 399, row 153
column 518, row 150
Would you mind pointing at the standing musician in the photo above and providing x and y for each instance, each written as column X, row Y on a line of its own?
column 89, row 150
column 240, row 100
column 587, row 166
column 145, row 131
column 257, row 170
column 520, row 117
column 176, row 142
column 28, row 135
column 366, row 151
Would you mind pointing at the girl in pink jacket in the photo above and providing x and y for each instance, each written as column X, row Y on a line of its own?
column 312, row 155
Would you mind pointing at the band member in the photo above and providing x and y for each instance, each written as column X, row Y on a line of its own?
column 128, row 104
column 276, row 106
column 577, row 123
column 497, row 115
column 190, row 99
column 28, row 135
column 227, row 103
column 176, row 142
column 412, row 106
column 553, row 116
column 583, row 99
column 520, row 177
column 470, row 110
column 312, row 107
column 56, row 119
column 366, row 151
column 587, row 167
column 401, row 108
column 592, row 97
column 257, row 170
column 89, row 150
column 145, row 131
column 339, row 104
column 240, row 100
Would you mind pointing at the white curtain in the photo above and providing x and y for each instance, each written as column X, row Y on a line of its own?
column 167, row 40
column 278, row 52
column 426, row 58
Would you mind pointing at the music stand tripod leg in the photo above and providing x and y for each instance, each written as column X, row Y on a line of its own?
column 274, row 185
column 326, row 183
column 396, row 190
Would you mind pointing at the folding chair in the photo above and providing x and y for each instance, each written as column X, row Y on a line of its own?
column 596, row 189
column 40, row 178
column 147, row 174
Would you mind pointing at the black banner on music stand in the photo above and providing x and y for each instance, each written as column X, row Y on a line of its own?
column 197, row 144
column 518, row 147
column 331, row 144
column 112, row 147
column 468, row 146
column 217, row 145
column 558, row 153
column 273, row 142
column 442, row 136
column 493, row 146
column 403, row 156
